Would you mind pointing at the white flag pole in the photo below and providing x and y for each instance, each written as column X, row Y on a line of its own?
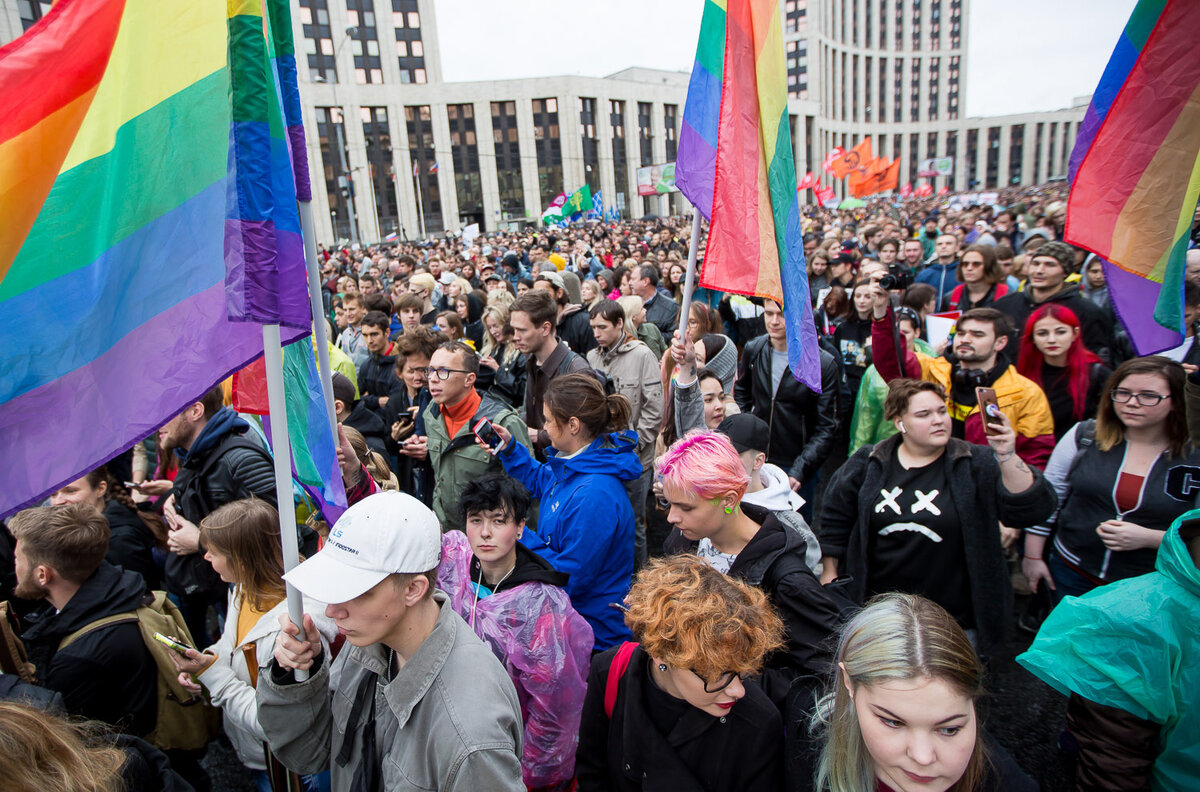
column 689, row 281
column 281, row 446
column 320, row 339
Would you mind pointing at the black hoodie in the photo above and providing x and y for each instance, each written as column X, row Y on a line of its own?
column 108, row 674
column 1095, row 322
column 131, row 543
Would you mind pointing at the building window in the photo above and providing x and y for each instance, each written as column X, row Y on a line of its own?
column 380, row 167
column 616, row 118
column 591, row 146
column 549, row 148
column 992, row 174
column 868, row 84
column 1052, row 160
column 914, row 155
column 898, row 92
column 368, row 67
column 916, row 26
column 31, row 11
column 955, row 24
column 464, row 155
column 671, row 129
column 935, row 65
column 419, row 122
column 972, row 157
column 508, row 160
column 1038, row 176
column 330, row 133
column 935, row 24
column 314, row 15
column 1016, row 153
column 410, row 49
column 915, row 88
column 644, row 134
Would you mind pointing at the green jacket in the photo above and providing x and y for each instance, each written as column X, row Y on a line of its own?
column 868, row 427
column 459, row 459
column 1133, row 645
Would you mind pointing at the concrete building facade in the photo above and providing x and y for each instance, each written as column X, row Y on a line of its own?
column 393, row 148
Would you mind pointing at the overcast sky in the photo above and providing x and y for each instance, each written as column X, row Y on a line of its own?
column 1025, row 55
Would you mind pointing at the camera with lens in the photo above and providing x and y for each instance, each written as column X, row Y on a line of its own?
column 897, row 279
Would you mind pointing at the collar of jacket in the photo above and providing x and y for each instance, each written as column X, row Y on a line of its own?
column 416, row 676
column 956, row 449
column 629, row 342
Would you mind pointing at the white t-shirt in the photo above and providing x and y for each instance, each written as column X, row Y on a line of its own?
column 714, row 557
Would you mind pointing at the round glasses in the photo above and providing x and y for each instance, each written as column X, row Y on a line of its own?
column 1122, row 396
column 443, row 373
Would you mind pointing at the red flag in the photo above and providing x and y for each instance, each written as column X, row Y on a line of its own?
column 250, row 389
column 924, row 190
column 826, row 196
column 807, row 182
column 943, row 190
column 832, row 157
column 906, row 190
column 854, row 159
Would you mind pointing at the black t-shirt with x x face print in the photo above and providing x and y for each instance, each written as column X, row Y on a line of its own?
column 915, row 542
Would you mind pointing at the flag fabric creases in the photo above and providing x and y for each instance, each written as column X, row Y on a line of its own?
column 696, row 156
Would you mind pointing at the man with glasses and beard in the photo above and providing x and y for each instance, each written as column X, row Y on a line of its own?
column 450, row 442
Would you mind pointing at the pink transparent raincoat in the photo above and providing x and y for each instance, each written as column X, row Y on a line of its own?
column 545, row 646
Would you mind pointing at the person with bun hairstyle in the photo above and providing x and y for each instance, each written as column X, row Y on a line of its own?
column 585, row 521
column 673, row 711
column 901, row 712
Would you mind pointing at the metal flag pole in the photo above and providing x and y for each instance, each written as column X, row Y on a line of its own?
column 281, row 447
column 689, row 281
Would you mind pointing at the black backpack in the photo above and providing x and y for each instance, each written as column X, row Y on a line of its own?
column 565, row 368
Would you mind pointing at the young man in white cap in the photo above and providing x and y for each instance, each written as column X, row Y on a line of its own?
column 415, row 701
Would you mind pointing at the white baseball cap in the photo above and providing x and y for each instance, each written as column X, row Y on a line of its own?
column 383, row 534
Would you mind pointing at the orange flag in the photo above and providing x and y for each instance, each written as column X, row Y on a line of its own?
column 879, row 175
column 852, row 160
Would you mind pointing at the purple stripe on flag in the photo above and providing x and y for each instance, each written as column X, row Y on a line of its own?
column 260, row 259
column 1133, row 298
column 122, row 396
column 695, row 168
column 296, row 146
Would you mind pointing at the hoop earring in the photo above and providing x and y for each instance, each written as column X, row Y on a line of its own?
column 729, row 510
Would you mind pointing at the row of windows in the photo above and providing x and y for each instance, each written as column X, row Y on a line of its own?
column 362, row 34
column 844, row 26
column 849, row 96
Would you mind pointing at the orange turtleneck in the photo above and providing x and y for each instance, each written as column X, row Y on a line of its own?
column 457, row 415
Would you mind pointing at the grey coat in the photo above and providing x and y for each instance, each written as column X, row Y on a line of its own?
column 449, row 720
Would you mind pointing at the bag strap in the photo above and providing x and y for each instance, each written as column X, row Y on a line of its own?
column 119, row 618
column 615, row 672
column 250, row 653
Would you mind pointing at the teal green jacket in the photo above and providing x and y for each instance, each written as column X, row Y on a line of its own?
column 1134, row 645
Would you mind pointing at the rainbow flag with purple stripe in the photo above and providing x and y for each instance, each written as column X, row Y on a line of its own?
column 754, row 240
column 696, row 156
column 154, row 232
column 1135, row 169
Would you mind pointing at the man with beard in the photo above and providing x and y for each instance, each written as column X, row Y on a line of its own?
column 980, row 337
column 106, row 674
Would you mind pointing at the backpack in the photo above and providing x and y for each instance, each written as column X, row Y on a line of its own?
column 616, row 671
column 13, row 659
column 183, row 721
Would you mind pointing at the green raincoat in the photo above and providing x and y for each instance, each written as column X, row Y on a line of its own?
column 868, row 427
column 1134, row 645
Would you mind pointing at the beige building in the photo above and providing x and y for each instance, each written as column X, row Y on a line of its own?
column 401, row 151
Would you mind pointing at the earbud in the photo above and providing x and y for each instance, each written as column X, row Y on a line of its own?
column 902, row 429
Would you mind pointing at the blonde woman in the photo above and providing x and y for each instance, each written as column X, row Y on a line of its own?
column 501, row 364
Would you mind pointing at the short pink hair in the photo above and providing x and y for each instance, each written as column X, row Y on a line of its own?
column 704, row 463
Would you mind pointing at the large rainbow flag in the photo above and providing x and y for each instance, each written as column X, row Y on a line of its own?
column 1135, row 169
column 151, row 223
column 754, row 241
column 696, row 155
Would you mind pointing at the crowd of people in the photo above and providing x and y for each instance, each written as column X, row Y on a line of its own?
column 597, row 544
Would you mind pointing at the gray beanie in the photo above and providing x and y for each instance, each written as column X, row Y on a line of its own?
column 1061, row 251
column 723, row 362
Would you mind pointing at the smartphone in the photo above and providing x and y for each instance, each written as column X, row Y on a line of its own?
column 484, row 430
column 132, row 484
column 182, row 648
column 989, row 408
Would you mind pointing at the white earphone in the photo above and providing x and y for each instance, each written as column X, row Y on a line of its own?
column 902, row 429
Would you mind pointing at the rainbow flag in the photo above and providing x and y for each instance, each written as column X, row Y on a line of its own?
column 754, row 240
column 696, row 155
column 1135, row 169
column 160, row 229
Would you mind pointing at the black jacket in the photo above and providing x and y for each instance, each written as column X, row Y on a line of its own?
column 575, row 328
column 108, row 674
column 803, row 423
column 376, row 377
column 530, row 568
column 982, row 504
column 1096, row 323
column 663, row 312
column 131, row 544
column 810, row 614
column 370, row 425
column 223, row 465
column 739, row 751
column 146, row 768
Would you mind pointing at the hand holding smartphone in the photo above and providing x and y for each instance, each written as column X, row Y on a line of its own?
column 487, row 434
column 173, row 643
column 989, row 409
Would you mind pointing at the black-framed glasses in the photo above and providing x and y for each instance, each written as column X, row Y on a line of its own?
column 1122, row 396
column 442, row 373
column 721, row 682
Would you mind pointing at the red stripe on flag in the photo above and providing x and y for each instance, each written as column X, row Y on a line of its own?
column 76, row 38
column 731, row 260
column 1147, row 108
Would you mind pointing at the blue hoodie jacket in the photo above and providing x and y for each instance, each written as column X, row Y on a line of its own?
column 943, row 277
column 585, row 523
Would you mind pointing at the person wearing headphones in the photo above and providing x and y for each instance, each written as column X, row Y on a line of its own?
column 974, row 361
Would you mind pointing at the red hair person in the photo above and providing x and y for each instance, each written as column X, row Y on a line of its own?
column 1053, row 355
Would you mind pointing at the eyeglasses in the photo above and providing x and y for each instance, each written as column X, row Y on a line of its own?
column 722, row 682
column 1122, row 396
column 442, row 373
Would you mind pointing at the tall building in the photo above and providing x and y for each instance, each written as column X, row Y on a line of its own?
column 402, row 151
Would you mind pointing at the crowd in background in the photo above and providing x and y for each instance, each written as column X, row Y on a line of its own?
column 596, row 544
